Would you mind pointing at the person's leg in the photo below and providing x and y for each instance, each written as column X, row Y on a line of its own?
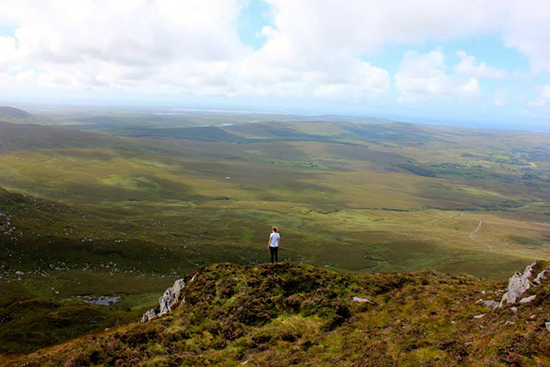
column 271, row 249
column 276, row 254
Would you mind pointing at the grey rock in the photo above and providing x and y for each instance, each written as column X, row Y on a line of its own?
column 170, row 296
column 166, row 301
column 517, row 285
column 149, row 315
column 515, row 309
column 362, row 300
column 547, row 324
column 491, row 304
column 542, row 275
column 528, row 299
column 479, row 316
column 193, row 278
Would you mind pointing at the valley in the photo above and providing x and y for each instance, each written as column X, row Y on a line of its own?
column 104, row 205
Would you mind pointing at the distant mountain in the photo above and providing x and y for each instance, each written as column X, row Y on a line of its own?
column 11, row 112
column 28, row 136
column 14, row 115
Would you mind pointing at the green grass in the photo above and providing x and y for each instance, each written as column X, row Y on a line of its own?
column 417, row 170
column 297, row 164
column 164, row 204
column 532, row 242
column 291, row 314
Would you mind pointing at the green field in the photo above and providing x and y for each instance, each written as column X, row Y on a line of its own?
column 103, row 206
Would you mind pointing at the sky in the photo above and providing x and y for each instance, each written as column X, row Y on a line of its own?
column 479, row 63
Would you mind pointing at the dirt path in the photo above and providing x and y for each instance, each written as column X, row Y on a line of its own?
column 473, row 237
column 473, row 234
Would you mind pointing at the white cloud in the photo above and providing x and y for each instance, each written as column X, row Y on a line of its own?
column 421, row 76
column 470, row 89
column 8, row 53
column 313, row 48
column 125, row 44
column 527, row 29
column 361, row 80
column 544, row 97
column 189, row 47
column 469, row 67
column 357, row 27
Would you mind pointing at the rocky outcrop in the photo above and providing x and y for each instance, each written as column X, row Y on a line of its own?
column 542, row 275
column 170, row 297
column 517, row 285
column 166, row 301
column 149, row 315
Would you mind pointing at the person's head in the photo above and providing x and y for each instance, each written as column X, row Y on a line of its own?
column 275, row 229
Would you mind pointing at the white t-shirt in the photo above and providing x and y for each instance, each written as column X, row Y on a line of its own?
column 274, row 237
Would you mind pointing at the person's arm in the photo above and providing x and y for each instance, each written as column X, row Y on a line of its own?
column 268, row 241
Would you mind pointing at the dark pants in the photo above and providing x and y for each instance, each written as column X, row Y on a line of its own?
column 274, row 251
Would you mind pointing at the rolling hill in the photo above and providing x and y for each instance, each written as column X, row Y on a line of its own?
column 13, row 113
column 18, row 116
column 108, row 213
column 28, row 136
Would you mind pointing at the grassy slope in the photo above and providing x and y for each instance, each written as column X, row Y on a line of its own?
column 17, row 116
column 292, row 314
column 339, row 195
column 332, row 190
column 31, row 137
column 47, row 268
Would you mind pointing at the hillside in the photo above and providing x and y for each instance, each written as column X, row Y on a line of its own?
column 97, row 215
column 296, row 314
column 11, row 112
column 53, row 270
column 18, row 116
column 28, row 136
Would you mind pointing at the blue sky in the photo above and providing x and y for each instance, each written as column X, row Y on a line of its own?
column 253, row 17
column 447, row 61
column 488, row 48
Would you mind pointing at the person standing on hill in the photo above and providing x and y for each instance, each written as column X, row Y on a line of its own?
column 273, row 244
